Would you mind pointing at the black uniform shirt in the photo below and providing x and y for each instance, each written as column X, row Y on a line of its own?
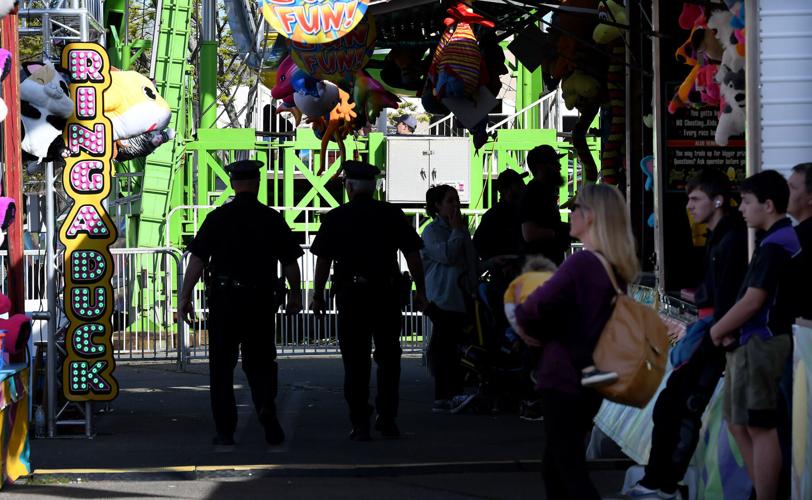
column 499, row 232
column 244, row 240
column 726, row 260
column 804, row 230
column 539, row 204
column 363, row 237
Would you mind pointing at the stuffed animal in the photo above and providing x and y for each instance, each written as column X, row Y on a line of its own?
column 720, row 23
column 8, row 7
column 45, row 106
column 580, row 88
column 732, row 117
column 18, row 330
column 613, row 146
column 457, row 68
column 5, row 68
column 730, row 77
column 139, row 115
column 8, row 209
column 573, row 30
column 134, row 106
column 335, row 126
column 647, row 166
column 142, row 145
column 702, row 51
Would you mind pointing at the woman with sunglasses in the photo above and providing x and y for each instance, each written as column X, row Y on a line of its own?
column 568, row 314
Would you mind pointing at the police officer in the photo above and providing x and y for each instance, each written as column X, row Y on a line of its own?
column 362, row 237
column 239, row 245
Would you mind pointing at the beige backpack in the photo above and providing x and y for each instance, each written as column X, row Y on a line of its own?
column 633, row 344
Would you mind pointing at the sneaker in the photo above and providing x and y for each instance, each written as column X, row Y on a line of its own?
column 531, row 411
column 592, row 377
column 360, row 433
column 441, row 406
column 641, row 492
column 459, row 403
column 387, row 427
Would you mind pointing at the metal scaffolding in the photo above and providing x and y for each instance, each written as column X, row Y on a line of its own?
column 61, row 22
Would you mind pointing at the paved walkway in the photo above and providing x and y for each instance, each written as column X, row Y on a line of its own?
column 157, row 438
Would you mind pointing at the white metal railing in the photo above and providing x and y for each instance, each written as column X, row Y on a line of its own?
column 547, row 109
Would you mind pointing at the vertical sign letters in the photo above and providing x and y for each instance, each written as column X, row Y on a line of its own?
column 88, row 232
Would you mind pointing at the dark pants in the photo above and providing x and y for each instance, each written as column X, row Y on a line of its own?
column 678, row 416
column 239, row 322
column 365, row 315
column 567, row 422
column 444, row 353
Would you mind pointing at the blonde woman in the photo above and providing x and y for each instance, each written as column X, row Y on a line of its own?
column 568, row 313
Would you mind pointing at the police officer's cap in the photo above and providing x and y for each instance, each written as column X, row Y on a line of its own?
column 360, row 171
column 244, row 170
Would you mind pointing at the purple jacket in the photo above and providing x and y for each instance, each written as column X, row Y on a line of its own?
column 568, row 313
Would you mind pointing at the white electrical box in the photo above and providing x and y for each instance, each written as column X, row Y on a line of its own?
column 415, row 163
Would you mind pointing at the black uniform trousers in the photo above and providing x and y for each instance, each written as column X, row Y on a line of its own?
column 365, row 314
column 567, row 422
column 678, row 416
column 239, row 322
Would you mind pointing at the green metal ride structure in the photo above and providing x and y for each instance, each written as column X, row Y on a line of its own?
column 177, row 184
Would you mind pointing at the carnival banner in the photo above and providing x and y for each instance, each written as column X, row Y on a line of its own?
column 313, row 21
column 88, row 231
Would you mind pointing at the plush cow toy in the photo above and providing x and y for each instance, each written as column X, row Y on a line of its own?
column 8, row 7
column 45, row 106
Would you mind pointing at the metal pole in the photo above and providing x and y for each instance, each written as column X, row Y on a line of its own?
column 50, row 269
column 208, row 66
column 659, row 153
column 182, row 354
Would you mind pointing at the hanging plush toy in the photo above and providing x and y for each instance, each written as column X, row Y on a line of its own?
column 5, row 68
column 45, row 106
column 647, row 166
column 703, row 53
column 18, row 330
column 458, row 69
column 138, row 113
column 731, row 79
column 572, row 31
column 613, row 146
column 335, row 126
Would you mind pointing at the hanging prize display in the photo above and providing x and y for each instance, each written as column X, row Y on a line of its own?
column 313, row 22
column 340, row 60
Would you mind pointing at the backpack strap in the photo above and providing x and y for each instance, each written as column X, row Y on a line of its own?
column 609, row 272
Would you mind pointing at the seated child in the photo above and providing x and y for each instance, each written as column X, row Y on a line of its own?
column 535, row 272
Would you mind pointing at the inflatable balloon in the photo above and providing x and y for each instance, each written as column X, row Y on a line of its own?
column 313, row 21
column 340, row 60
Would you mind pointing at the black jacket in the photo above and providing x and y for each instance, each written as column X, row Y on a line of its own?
column 726, row 261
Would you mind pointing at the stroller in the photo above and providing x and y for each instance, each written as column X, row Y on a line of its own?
column 497, row 370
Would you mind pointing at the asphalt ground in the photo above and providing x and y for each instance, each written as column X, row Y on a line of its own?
column 154, row 440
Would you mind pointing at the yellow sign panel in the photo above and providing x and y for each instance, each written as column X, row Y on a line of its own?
column 88, row 231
